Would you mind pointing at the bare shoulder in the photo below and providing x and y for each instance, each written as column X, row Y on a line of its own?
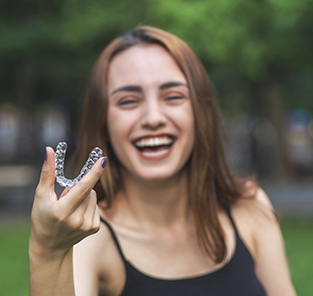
column 259, row 229
column 256, row 208
column 97, row 264
column 254, row 215
column 94, row 245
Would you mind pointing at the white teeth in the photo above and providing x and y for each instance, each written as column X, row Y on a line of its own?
column 154, row 142
column 158, row 153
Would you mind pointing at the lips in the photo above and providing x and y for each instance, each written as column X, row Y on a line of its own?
column 154, row 147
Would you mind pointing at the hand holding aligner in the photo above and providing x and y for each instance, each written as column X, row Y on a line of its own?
column 60, row 152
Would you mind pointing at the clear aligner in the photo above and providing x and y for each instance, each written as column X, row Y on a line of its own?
column 60, row 152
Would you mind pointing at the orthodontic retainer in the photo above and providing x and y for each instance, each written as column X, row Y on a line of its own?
column 60, row 152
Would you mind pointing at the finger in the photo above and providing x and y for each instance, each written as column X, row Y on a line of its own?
column 65, row 191
column 79, row 192
column 78, row 214
column 90, row 212
column 96, row 217
column 82, row 217
column 47, row 176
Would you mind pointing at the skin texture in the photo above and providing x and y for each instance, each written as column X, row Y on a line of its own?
column 58, row 224
column 151, row 215
column 152, row 109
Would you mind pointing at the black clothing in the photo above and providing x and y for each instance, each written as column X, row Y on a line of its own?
column 235, row 278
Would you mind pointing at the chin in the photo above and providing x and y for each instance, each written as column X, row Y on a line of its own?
column 160, row 175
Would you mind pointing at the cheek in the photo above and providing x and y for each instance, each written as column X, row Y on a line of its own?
column 116, row 133
column 120, row 125
column 185, row 123
column 188, row 121
column 115, row 128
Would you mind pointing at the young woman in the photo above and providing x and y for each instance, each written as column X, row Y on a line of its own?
column 174, row 220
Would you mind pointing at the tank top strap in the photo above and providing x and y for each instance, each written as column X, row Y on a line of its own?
column 232, row 220
column 114, row 237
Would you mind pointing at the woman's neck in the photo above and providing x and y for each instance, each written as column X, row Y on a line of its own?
column 161, row 202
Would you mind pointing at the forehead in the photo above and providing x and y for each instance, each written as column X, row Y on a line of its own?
column 143, row 65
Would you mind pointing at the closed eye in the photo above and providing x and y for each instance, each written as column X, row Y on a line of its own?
column 174, row 98
column 128, row 102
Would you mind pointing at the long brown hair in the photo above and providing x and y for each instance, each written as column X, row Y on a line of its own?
column 211, row 182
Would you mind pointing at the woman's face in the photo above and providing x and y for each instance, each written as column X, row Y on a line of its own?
column 150, row 117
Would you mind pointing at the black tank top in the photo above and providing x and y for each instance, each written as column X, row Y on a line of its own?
column 235, row 278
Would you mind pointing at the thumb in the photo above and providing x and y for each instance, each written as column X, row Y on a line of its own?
column 47, row 176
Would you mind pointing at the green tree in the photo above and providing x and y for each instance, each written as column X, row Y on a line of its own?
column 258, row 53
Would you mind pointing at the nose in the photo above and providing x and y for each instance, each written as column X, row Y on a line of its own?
column 153, row 115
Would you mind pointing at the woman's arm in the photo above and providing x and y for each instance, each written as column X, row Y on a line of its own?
column 50, row 274
column 57, row 225
column 271, row 263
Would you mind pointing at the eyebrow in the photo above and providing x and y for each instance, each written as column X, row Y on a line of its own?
column 172, row 84
column 133, row 88
column 136, row 88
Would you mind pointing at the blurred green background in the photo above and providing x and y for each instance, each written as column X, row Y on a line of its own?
column 257, row 53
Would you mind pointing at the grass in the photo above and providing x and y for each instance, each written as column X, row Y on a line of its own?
column 14, row 277
column 298, row 235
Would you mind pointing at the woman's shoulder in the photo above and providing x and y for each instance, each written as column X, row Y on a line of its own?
column 254, row 217
column 255, row 205
column 97, row 261
column 259, row 229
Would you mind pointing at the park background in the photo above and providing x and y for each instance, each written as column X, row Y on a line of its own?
column 259, row 56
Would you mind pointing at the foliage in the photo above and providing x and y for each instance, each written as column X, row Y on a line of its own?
column 245, row 38
column 258, row 53
column 244, row 44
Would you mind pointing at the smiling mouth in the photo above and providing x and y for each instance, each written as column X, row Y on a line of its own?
column 154, row 146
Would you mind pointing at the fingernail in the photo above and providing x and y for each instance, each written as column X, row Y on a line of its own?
column 45, row 154
column 104, row 162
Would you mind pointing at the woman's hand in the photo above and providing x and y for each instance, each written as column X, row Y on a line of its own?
column 58, row 224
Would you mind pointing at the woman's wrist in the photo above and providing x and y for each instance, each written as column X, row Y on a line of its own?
column 51, row 271
column 42, row 251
